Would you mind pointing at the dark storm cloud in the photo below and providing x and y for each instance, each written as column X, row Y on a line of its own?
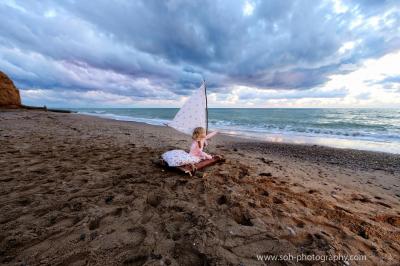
column 103, row 45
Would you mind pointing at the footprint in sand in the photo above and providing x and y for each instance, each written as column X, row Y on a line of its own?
column 277, row 200
column 316, row 242
column 135, row 260
column 300, row 224
column 383, row 204
column 363, row 233
column 312, row 191
column 222, row 200
column 361, row 198
column 266, row 174
column 109, row 199
column 268, row 162
column 186, row 254
column 137, row 234
column 24, row 201
column 241, row 217
column 390, row 219
column 6, row 179
column 243, row 172
column 118, row 211
column 154, row 199
column 94, row 223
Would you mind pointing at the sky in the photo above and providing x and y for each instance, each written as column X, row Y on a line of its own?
column 252, row 53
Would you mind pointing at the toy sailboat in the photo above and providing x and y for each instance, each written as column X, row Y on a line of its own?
column 193, row 113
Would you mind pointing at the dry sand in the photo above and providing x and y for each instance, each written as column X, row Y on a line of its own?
column 80, row 190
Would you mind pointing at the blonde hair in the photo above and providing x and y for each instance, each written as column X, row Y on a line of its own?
column 199, row 133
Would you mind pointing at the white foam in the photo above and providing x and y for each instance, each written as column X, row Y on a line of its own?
column 328, row 137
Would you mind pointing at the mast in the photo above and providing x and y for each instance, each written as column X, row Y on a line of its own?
column 205, row 92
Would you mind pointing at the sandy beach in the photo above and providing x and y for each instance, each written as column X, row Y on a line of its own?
column 82, row 190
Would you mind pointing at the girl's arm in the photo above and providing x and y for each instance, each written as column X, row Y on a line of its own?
column 212, row 134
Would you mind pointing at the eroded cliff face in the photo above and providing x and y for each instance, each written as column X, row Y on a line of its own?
column 9, row 94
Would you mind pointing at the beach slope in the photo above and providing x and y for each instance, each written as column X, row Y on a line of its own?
column 78, row 190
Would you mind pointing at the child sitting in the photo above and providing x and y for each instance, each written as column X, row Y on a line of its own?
column 180, row 157
column 199, row 142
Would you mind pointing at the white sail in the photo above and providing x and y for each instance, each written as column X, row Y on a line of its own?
column 193, row 113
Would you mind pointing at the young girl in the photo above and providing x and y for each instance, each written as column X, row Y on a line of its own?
column 199, row 141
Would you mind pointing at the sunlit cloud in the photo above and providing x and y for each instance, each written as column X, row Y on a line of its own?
column 339, row 6
column 248, row 8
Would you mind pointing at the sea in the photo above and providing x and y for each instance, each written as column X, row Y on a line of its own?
column 363, row 129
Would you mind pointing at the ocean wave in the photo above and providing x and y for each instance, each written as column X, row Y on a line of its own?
column 307, row 131
column 150, row 121
column 342, row 130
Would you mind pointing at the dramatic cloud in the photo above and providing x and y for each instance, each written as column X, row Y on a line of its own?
column 154, row 53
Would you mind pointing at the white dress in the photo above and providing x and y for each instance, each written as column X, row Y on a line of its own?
column 179, row 157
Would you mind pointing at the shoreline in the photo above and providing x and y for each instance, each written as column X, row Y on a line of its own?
column 286, row 138
column 78, row 189
column 244, row 140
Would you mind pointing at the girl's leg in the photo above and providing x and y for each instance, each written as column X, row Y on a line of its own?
column 206, row 156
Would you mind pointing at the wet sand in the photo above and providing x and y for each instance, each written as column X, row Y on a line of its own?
column 81, row 190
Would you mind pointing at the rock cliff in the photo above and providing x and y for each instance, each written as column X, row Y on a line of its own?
column 9, row 94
